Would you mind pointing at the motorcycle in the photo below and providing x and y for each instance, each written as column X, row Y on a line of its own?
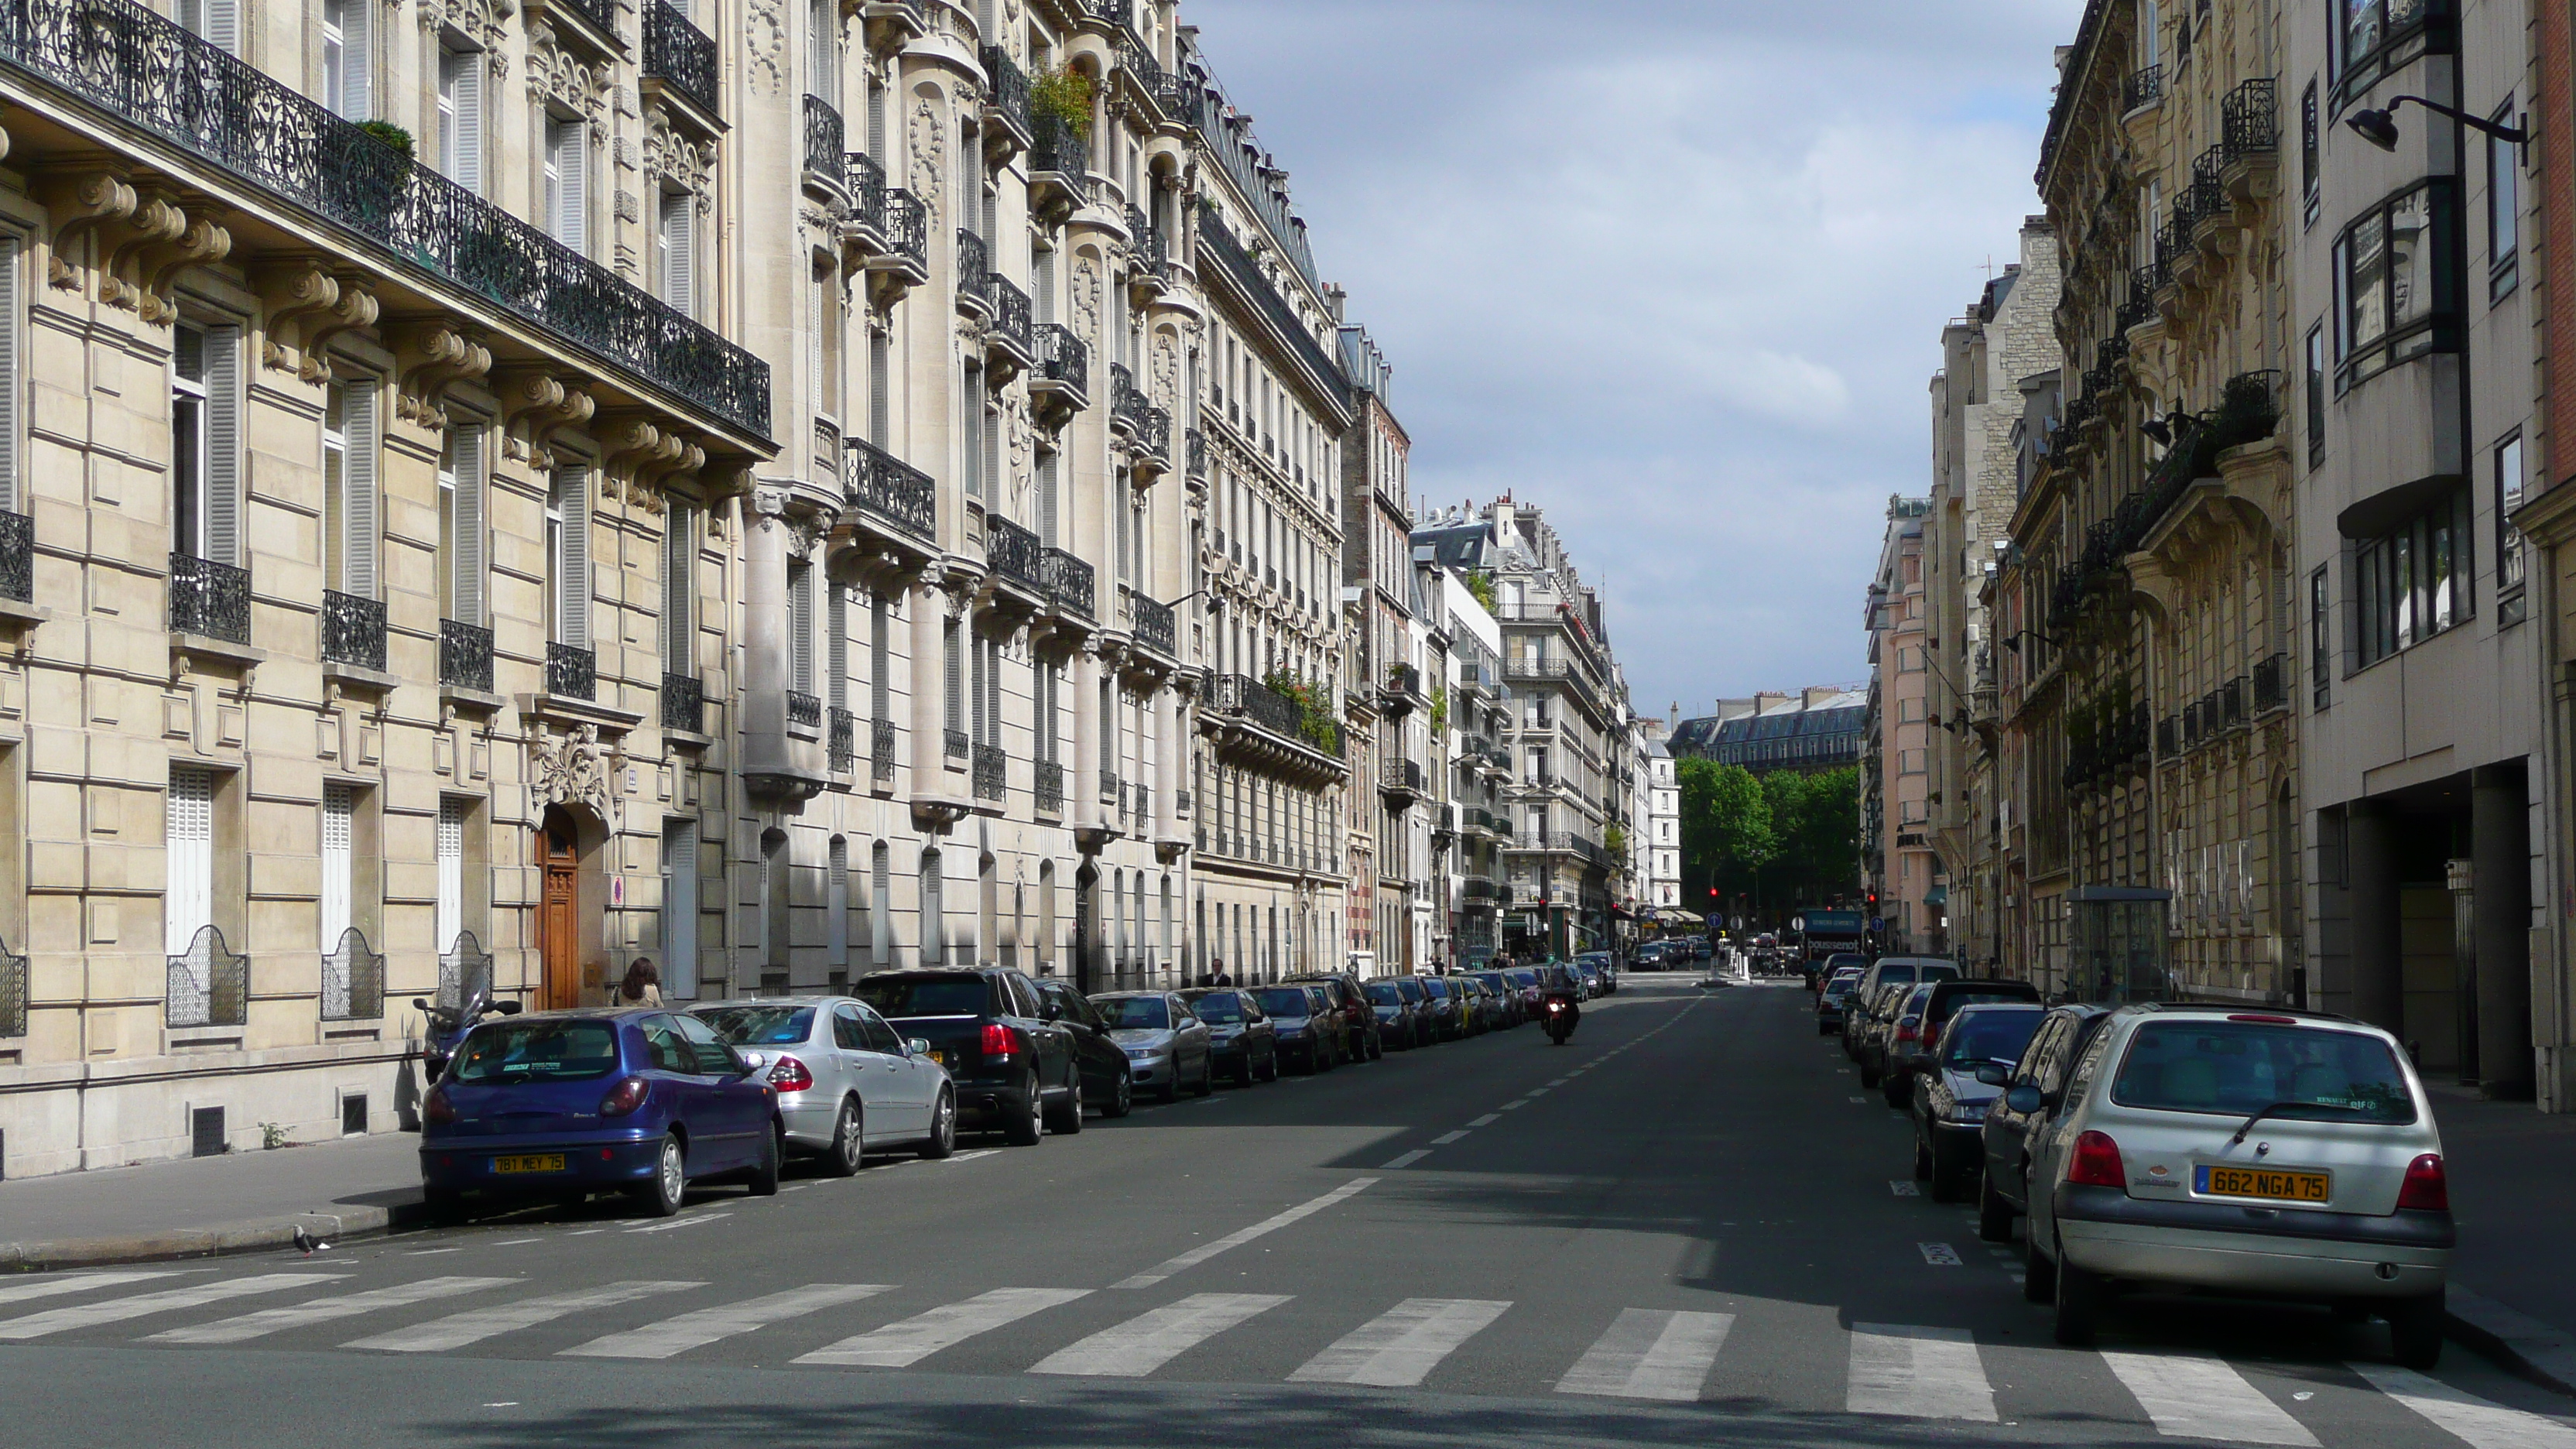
column 1561, row 1016
column 448, row 1026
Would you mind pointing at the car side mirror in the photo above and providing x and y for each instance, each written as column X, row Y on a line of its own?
column 752, row 1061
column 918, row 1046
column 1992, row 1075
column 2024, row 1099
column 506, row 1008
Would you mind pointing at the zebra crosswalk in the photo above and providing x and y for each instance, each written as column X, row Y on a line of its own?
column 1928, row 1373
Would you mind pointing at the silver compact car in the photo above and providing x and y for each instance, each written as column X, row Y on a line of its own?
column 2261, row 1153
column 845, row 1081
column 1168, row 1047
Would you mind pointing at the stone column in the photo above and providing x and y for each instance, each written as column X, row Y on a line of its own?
column 1167, row 762
column 2378, row 955
column 2500, row 844
column 929, row 689
column 1082, row 782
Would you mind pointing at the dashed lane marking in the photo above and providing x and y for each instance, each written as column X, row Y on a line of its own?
column 682, row 1223
column 1446, row 1138
column 1273, row 1223
column 1939, row 1255
column 1488, row 1120
column 1408, row 1159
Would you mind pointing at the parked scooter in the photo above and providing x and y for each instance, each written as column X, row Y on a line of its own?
column 448, row 1026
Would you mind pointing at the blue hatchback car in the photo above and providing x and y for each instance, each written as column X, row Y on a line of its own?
column 567, row 1103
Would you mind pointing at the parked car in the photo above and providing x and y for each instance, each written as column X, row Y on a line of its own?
column 1240, row 1033
column 1830, row 1002
column 2008, row 1131
column 1448, row 1009
column 1590, row 976
column 1305, row 1023
column 1949, row 1103
column 1507, row 997
column 1396, row 1019
column 1166, row 1044
column 1839, row 962
column 1016, row 1062
column 844, row 1081
column 560, row 1103
column 1106, row 1081
column 1524, row 980
column 1424, row 1027
column 1605, row 971
column 1885, row 971
column 2263, row 1153
column 1879, row 1025
column 1652, row 957
column 1359, row 1022
column 1917, row 1030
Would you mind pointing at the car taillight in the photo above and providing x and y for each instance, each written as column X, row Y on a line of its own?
column 437, row 1110
column 790, row 1075
column 623, row 1098
column 2096, row 1162
column 1000, row 1041
column 2428, row 1187
column 1905, row 1029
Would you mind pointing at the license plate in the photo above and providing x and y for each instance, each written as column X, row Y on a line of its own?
column 2269, row 1184
column 545, row 1162
column 939, row 1059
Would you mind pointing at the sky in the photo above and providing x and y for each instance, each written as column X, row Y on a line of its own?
column 1673, row 270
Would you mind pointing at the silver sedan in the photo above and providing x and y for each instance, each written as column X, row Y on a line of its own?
column 1167, row 1046
column 846, row 1083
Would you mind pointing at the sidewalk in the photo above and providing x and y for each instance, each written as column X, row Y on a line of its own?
column 2513, row 1184
column 198, row 1207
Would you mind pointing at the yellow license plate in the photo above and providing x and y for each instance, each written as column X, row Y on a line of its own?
column 2268, row 1184
column 546, row 1162
column 939, row 1059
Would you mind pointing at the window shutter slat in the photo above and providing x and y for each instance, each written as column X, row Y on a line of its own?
column 880, row 694
column 680, row 258
column 836, row 646
column 357, row 62
column 470, row 535
column 337, row 874
column 451, row 872
column 12, row 381
column 223, row 25
column 573, row 165
column 223, row 444
column 469, row 123
column 679, row 625
column 358, row 474
column 573, row 591
column 800, row 626
column 188, row 903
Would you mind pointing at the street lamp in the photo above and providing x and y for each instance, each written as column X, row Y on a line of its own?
column 2012, row 641
column 2379, row 127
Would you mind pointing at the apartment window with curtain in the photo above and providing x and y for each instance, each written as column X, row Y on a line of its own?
column 568, row 557
column 349, row 495
column 460, row 116
column 460, row 526
column 565, row 166
column 2504, row 208
column 2511, row 604
column 347, row 57
column 675, row 251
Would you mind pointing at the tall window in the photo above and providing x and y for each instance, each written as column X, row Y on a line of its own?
column 188, row 901
column 880, row 692
column 800, row 626
column 2311, row 175
column 568, row 557
column 836, row 898
column 1047, row 504
column 824, row 350
column 349, row 503
column 567, row 183
column 2320, row 639
column 449, row 850
column 346, row 55
column 680, row 908
column 339, row 872
column 460, row 526
column 217, row 22
column 2390, row 282
column 970, row 418
column 680, row 591
column 675, row 251
column 2316, row 394
column 205, row 442
column 2504, row 208
column 2510, row 604
column 460, row 117
column 2414, row 581
column 12, row 377
column 836, row 646
column 953, row 695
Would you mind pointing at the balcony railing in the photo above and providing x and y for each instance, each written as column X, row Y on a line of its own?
column 907, row 226
column 1014, row 553
column 600, row 13
column 572, row 672
column 1231, row 258
column 1059, row 149
column 805, row 709
column 823, row 154
column 893, row 490
column 1153, row 625
column 956, row 745
column 679, row 54
column 1195, row 450
column 209, row 985
column 1010, row 314
column 1069, row 581
column 464, row 972
column 843, row 741
column 864, row 180
column 13, row 992
column 17, row 557
column 2144, row 88
column 1241, row 694
column 1153, row 254
column 992, row 772
column 881, row 749
column 353, row 630
column 147, row 72
column 353, row 980
column 209, row 598
column 2272, row 684
column 2249, row 122
column 464, row 655
column 974, row 270
column 1124, row 399
column 684, row 703
column 1049, row 782
column 1009, row 86
column 1063, row 357
column 1395, row 772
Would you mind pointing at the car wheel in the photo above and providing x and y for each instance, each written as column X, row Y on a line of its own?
column 1868, row 1076
column 1377, row 1047
column 1024, row 1120
column 1946, row 1184
column 1994, row 1215
column 442, row 1207
column 943, row 1126
column 1270, row 1065
column 849, row 1141
column 1899, row 1090
column 2079, row 1305
column 2038, row 1273
column 1922, row 1161
column 1243, row 1069
column 2415, row 1328
column 764, row 1173
column 1122, row 1100
column 1310, row 1061
column 660, row 1197
column 1065, row 1117
column 1207, row 1078
column 1170, row 1091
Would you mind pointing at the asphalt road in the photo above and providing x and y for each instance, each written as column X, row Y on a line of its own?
column 1690, row 1226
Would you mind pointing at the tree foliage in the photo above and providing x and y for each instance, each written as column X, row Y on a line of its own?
column 1788, row 839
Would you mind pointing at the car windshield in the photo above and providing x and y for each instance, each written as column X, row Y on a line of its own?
column 1385, row 993
column 760, row 1025
column 2237, row 1068
column 899, row 996
column 1218, row 1010
column 1134, row 1013
column 1284, row 1001
column 1978, row 1037
column 538, row 1051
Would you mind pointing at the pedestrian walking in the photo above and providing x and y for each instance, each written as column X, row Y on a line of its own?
column 643, row 984
column 1218, row 977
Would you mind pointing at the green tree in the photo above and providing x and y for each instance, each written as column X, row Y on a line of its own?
column 1817, row 821
column 1727, row 830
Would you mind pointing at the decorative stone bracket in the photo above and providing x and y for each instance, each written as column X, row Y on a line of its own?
column 441, row 355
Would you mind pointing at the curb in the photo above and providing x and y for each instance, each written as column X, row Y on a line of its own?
column 209, row 1242
column 2517, row 1342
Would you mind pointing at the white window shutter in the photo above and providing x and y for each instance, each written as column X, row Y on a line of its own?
column 12, row 378
column 223, row 25
column 880, row 369
column 836, row 646
column 572, row 162
column 680, row 253
column 188, row 902
column 451, row 872
column 800, row 627
column 880, row 691
column 357, row 61
column 679, row 623
column 338, row 806
column 469, row 122
column 471, row 539
column 358, row 488
column 1047, row 504
column 956, row 666
column 836, row 887
column 572, row 587
column 223, row 444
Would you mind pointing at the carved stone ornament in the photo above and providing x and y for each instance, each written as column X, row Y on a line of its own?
column 1167, row 368
column 766, row 505
column 929, row 152
column 477, row 20
column 1023, row 437
column 670, row 156
column 555, row 75
column 1086, row 298
column 570, row 769
column 765, row 39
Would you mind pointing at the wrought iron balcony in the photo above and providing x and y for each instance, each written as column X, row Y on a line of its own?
column 1007, row 96
column 2207, row 195
column 353, row 980
column 907, row 228
column 464, row 655
column 1014, row 553
column 1398, row 775
column 684, row 703
column 209, row 985
column 1010, row 329
column 13, row 992
column 143, row 71
column 353, row 630
column 955, row 745
column 1049, row 787
column 1145, row 242
column 974, row 271
column 2249, row 121
column 571, row 672
column 209, row 598
column 1243, row 695
column 2272, row 684
column 864, row 180
column 881, row 750
column 843, row 741
column 2144, row 88
column 889, row 489
column 2231, row 703
column 804, row 709
column 17, row 557
column 1069, row 581
column 1153, row 625
column 1403, row 691
column 1060, row 154
column 600, row 14
column 679, row 54
column 824, row 157
column 1153, row 437
column 1113, row 791
column 992, row 773
column 1064, row 364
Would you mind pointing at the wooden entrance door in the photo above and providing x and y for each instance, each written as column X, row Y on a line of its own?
column 558, row 927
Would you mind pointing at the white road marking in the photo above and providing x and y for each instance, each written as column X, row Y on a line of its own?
column 1860, row 1099
column 50, row 1286
column 1650, row 1354
column 117, row 1310
column 1488, row 1120
column 1905, row 1189
column 429, row 1252
column 901, row 1345
column 1400, row 1347
column 459, row 1329
column 2202, row 1398
column 967, row 1156
column 679, row 1223
column 1271, row 1224
column 515, row 1242
column 1407, row 1159
column 1939, row 1255
column 1918, row 1373
column 707, row 1325
column 1147, row 1342
column 2483, row 1424
column 326, row 1310
column 1446, row 1138
column 1515, row 1106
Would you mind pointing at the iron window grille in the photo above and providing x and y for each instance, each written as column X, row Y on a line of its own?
column 209, row 598
column 464, row 655
column 353, row 630
column 684, row 703
column 572, row 672
column 209, row 984
column 353, row 980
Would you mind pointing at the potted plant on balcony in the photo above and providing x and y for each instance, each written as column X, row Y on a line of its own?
column 1064, row 97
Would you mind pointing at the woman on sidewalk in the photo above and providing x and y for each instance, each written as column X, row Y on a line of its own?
column 642, row 986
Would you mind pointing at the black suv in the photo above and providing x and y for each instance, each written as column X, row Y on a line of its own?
column 1015, row 1066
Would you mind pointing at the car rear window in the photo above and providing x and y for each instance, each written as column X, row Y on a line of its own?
column 1524, row 977
column 760, row 1025
column 1221, row 1009
column 900, row 996
column 538, row 1051
column 1385, row 993
column 1134, row 1013
column 1284, row 1001
column 2237, row 1068
column 1891, row 974
column 1958, row 999
column 1990, row 1036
